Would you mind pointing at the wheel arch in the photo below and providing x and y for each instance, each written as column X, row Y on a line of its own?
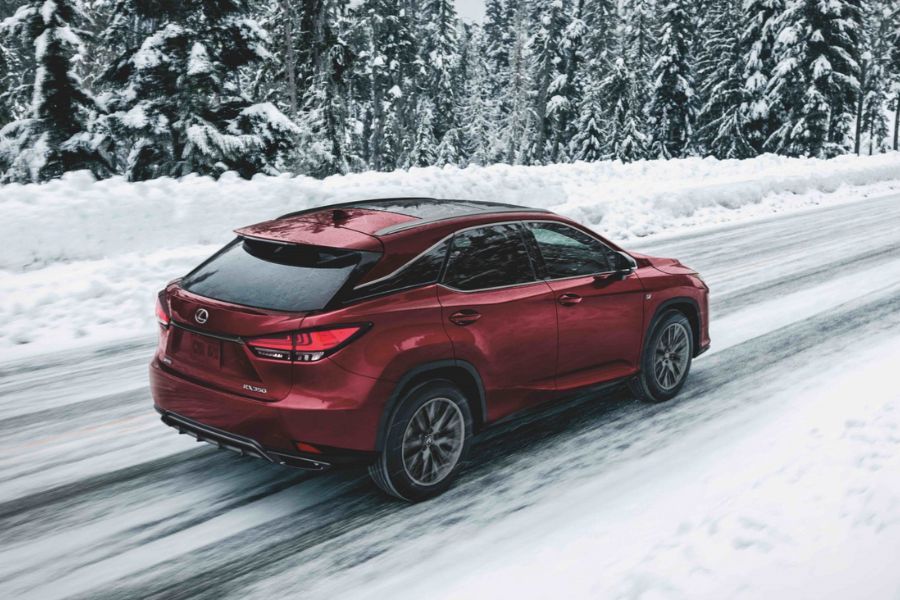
column 459, row 372
column 689, row 308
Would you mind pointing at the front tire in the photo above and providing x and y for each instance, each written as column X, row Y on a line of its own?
column 665, row 360
column 426, row 442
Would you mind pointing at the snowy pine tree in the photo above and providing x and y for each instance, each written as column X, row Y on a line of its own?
column 6, row 81
column 880, row 66
column 671, row 107
column 53, row 135
column 325, row 121
column 516, row 115
column 624, row 140
column 391, row 68
column 424, row 147
column 758, row 34
column 639, row 35
column 186, row 86
column 721, row 128
column 601, row 20
column 588, row 144
column 177, row 106
column 552, row 98
column 440, row 59
column 815, row 81
column 452, row 150
column 497, row 37
column 17, row 66
column 275, row 77
column 479, row 108
column 894, row 70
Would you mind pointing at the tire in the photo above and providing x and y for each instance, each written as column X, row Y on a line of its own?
column 426, row 442
column 665, row 359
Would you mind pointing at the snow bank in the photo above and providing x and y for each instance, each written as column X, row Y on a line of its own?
column 82, row 259
column 77, row 218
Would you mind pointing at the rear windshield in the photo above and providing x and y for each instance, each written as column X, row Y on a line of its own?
column 288, row 277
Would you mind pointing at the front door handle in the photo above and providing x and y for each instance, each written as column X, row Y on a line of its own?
column 464, row 317
column 569, row 299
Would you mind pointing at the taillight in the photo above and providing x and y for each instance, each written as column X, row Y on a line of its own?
column 277, row 347
column 304, row 346
column 161, row 315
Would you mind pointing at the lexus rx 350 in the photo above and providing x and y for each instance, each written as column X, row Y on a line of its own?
column 389, row 332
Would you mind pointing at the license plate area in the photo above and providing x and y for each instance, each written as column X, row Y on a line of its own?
column 206, row 352
column 226, row 365
column 195, row 351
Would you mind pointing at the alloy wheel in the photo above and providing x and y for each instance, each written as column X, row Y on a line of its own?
column 671, row 356
column 433, row 441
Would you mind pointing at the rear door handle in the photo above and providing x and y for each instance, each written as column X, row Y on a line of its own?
column 569, row 299
column 466, row 316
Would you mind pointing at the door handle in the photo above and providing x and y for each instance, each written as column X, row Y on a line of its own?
column 569, row 299
column 464, row 317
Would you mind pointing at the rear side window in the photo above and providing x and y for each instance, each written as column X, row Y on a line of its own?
column 288, row 277
column 424, row 270
column 568, row 252
column 488, row 257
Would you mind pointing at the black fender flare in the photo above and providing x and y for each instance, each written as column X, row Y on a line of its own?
column 418, row 371
column 667, row 305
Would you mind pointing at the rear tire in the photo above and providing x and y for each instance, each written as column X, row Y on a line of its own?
column 426, row 442
column 665, row 360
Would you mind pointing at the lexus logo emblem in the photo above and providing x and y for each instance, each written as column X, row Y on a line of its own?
column 201, row 316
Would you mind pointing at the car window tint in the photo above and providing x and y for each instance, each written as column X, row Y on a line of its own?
column 424, row 270
column 288, row 277
column 568, row 252
column 488, row 257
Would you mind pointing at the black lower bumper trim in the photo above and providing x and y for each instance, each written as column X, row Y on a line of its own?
column 236, row 443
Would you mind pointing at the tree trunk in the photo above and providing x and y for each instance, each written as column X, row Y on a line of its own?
column 897, row 123
column 571, row 69
column 860, row 101
column 290, row 60
column 517, row 108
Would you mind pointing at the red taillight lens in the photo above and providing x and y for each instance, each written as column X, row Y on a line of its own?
column 161, row 315
column 324, row 339
column 303, row 346
column 314, row 345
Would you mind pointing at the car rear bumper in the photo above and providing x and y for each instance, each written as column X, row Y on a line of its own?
column 343, row 425
column 236, row 443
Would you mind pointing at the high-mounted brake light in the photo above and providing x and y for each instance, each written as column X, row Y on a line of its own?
column 303, row 346
column 161, row 315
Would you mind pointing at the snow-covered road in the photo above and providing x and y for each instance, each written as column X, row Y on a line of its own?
column 776, row 472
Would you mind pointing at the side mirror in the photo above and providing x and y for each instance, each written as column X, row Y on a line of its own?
column 623, row 264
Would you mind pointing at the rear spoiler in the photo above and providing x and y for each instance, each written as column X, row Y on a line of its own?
column 311, row 232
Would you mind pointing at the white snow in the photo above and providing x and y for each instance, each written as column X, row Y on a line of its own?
column 773, row 475
column 198, row 62
column 800, row 501
column 83, row 259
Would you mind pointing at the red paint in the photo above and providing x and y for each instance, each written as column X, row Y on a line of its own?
column 600, row 337
column 528, row 343
column 517, row 326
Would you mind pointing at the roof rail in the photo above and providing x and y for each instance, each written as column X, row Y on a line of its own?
column 419, row 222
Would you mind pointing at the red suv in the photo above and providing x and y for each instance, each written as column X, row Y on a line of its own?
column 389, row 332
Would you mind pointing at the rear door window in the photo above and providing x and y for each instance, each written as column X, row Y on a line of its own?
column 488, row 257
column 286, row 277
